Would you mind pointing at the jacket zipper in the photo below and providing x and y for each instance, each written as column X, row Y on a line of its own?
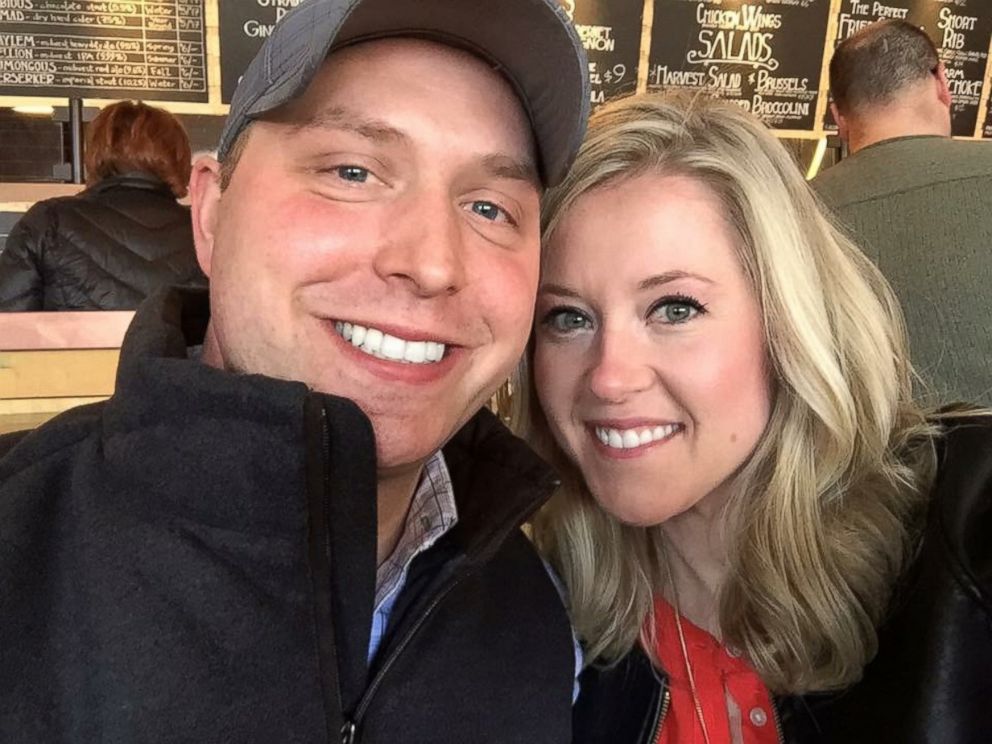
column 778, row 724
column 347, row 728
column 349, row 734
column 320, row 536
column 666, row 702
column 350, row 730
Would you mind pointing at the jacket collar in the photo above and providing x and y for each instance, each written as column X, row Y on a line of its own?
column 198, row 443
column 499, row 482
column 231, row 449
column 134, row 180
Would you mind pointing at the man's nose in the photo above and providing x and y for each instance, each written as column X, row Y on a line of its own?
column 619, row 368
column 424, row 248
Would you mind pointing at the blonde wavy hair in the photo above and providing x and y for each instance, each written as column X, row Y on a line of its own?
column 829, row 507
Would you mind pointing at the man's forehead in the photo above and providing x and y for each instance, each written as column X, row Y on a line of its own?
column 401, row 60
column 328, row 103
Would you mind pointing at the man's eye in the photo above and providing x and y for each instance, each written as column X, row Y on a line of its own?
column 490, row 211
column 566, row 320
column 352, row 173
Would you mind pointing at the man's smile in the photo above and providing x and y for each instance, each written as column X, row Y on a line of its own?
column 382, row 345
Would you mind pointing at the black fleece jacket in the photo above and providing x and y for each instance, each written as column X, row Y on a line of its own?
column 194, row 560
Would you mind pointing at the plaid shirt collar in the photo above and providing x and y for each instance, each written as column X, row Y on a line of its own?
column 432, row 513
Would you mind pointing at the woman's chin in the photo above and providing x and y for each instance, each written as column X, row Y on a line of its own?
column 640, row 510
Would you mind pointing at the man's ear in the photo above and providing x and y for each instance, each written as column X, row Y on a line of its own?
column 943, row 89
column 205, row 196
column 843, row 128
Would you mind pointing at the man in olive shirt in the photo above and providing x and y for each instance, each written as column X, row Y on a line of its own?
column 918, row 202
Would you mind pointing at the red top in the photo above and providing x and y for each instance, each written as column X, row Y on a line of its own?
column 735, row 703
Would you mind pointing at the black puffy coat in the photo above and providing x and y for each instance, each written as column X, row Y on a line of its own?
column 104, row 249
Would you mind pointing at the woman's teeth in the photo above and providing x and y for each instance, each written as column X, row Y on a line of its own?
column 639, row 437
column 383, row 346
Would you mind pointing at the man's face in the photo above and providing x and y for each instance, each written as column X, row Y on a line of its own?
column 380, row 241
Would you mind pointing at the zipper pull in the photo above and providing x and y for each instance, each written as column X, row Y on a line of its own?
column 348, row 733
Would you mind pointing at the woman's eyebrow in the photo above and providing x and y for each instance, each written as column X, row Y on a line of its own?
column 658, row 280
column 558, row 289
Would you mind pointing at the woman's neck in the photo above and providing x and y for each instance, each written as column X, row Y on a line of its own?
column 696, row 553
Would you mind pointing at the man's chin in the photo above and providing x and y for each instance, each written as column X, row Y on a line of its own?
column 394, row 449
column 408, row 438
column 404, row 450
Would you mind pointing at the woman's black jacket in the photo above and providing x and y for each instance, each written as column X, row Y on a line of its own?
column 931, row 681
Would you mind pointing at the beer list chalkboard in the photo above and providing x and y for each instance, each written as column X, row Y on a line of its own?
column 104, row 49
column 765, row 55
column 758, row 55
column 611, row 34
column 959, row 29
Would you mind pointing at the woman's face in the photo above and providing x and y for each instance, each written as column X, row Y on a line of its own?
column 650, row 359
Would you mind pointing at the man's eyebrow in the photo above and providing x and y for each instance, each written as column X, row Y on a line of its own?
column 348, row 121
column 505, row 166
column 497, row 165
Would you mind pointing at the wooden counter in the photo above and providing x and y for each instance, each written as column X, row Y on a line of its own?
column 50, row 362
column 18, row 197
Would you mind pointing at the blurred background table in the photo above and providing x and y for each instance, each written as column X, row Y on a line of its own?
column 50, row 362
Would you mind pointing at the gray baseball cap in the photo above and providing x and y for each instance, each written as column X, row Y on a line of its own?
column 532, row 43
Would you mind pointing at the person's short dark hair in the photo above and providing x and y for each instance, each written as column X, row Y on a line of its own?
column 233, row 156
column 875, row 64
column 130, row 136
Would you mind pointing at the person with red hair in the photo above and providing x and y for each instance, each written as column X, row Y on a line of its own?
column 122, row 238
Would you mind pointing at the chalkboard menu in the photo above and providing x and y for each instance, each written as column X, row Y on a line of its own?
column 610, row 31
column 766, row 56
column 244, row 25
column 611, row 34
column 960, row 29
column 103, row 49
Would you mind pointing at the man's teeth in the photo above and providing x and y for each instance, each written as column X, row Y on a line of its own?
column 631, row 438
column 382, row 345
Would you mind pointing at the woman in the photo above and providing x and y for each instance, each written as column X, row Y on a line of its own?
column 122, row 238
column 763, row 536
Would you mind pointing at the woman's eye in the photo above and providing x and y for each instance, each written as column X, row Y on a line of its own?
column 566, row 321
column 352, row 173
column 675, row 311
column 488, row 210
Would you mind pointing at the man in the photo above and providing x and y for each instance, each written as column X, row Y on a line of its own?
column 917, row 202
column 270, row 544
